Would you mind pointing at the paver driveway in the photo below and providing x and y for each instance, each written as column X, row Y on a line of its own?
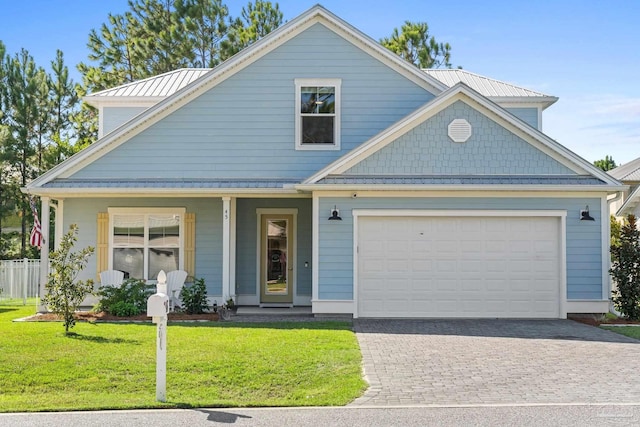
column 461, row 362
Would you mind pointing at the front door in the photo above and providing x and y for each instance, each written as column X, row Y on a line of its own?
column 276, row 259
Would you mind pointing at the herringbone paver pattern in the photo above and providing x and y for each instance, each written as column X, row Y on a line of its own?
column 462, row 362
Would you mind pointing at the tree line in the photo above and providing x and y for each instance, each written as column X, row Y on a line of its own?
column 43, row 120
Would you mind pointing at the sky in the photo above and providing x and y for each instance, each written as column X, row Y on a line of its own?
column 585, row 52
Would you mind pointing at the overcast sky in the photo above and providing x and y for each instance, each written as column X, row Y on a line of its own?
column 584, row 52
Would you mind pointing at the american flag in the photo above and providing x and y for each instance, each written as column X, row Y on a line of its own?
column 36, row 231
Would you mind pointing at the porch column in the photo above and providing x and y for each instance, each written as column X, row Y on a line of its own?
column 44, row 250
column 59, row 224
column 226, row 248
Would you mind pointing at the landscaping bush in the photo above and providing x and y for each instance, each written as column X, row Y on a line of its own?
column 64, row 293
column 128, row 299
column 194, row 297
column 625, row 270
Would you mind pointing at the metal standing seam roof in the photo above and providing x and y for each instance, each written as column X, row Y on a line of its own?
column 627, row 172
column 468, row 180
column 171, row 183
column 162, row 85
column 483, row 85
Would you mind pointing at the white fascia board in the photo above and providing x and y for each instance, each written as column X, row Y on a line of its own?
column 455, row 93
column 629, row 205
column 460, row 187
column 524, row 101
column 238, row 62
column 122, row 101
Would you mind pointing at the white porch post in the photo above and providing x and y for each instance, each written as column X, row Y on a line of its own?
column 232, row 251
column 59, row 224
column 226, row 248
column 44, row 250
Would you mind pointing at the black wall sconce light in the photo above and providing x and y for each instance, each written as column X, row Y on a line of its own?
column 335, row 214
column 584, row 215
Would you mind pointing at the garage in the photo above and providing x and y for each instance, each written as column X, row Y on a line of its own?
column 466, row 265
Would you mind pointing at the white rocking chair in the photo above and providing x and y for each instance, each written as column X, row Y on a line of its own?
column 111, row 278
column 175, row 280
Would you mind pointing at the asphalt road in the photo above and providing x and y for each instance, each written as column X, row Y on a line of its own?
column 538, row 415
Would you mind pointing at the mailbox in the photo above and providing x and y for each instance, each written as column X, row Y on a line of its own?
column 158, row 305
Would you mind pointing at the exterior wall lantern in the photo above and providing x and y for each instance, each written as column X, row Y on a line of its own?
column 584, row 214
column 335, row 214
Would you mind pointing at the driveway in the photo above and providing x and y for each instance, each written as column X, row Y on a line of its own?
column 475, row 362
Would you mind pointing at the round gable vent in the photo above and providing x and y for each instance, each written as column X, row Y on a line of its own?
column 459, row 130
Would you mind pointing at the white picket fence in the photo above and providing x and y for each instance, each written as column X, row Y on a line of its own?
column 19, row 279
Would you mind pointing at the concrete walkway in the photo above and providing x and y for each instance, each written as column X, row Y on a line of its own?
column 467, row 362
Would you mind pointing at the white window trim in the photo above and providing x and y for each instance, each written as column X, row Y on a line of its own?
column 146, row 212
column 336, row 124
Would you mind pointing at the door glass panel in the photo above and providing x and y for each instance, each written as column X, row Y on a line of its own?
column 277, row 254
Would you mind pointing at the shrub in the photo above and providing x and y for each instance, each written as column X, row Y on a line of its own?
column 625, row 270
column 128, row 299
column 64, row 293
column 194, row 297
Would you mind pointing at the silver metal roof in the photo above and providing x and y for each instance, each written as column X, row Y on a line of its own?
column 627, row 172
column 454, row 180
column 483, row 85
column 157, row 86
column 171, row 183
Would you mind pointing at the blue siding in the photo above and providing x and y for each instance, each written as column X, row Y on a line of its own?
column 113, row 117
column 428, row 150
column 583, row 240
column 527, row 115
column 244, row 127
column 246, row 245
column 83, row 212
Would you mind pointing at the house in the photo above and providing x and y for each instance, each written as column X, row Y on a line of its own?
column 627, row 202
column 316, row 168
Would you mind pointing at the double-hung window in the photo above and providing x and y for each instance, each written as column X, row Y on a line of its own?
column 317, row 114
column 144, row 241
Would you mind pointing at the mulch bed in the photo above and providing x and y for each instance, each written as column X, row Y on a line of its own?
column 601, row 320
column 88, row 316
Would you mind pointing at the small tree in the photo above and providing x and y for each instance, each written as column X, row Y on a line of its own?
column 625, row 270
column 64, row 293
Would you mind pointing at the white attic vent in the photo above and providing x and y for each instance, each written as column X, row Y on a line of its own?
column 459, row 130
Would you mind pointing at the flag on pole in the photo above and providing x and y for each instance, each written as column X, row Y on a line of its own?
column 36, row 231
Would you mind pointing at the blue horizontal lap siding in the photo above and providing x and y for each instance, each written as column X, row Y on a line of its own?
column 246, row 246
column 527, row 115
column 428, row 150
column 244, row 127
column 208, row 212
column 583, row 240
column 114, row 117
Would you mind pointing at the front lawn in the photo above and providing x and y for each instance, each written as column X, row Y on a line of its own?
column 630, row 331
column 208, row 364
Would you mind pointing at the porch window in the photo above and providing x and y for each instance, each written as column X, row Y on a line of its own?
column 317, row 114
column 145, row 241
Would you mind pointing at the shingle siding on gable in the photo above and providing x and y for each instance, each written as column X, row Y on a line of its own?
column 428, row 150
column 244, row 127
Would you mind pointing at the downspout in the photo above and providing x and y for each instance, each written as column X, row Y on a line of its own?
column 618, row 196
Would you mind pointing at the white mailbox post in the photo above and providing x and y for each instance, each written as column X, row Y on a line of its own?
column 157, row 308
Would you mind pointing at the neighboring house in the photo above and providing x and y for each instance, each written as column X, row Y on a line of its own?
column 628, row 174
column 316, row 168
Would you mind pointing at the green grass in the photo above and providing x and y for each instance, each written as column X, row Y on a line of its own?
column 112, row 365
column 630, row 331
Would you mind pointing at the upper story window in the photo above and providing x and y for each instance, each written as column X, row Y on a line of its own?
column 144, row 241
column 317, row 114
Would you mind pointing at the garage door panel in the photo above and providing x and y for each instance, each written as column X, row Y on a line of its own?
column 458, row 267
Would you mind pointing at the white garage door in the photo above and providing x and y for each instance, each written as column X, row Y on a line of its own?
column 458, row 267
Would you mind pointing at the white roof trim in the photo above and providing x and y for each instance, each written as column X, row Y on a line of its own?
column 459, row 92
column 460, row 187
column 622, row 171
column 630, row 204
column 316, row 14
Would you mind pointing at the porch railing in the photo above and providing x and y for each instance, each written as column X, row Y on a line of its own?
column 19, row 279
